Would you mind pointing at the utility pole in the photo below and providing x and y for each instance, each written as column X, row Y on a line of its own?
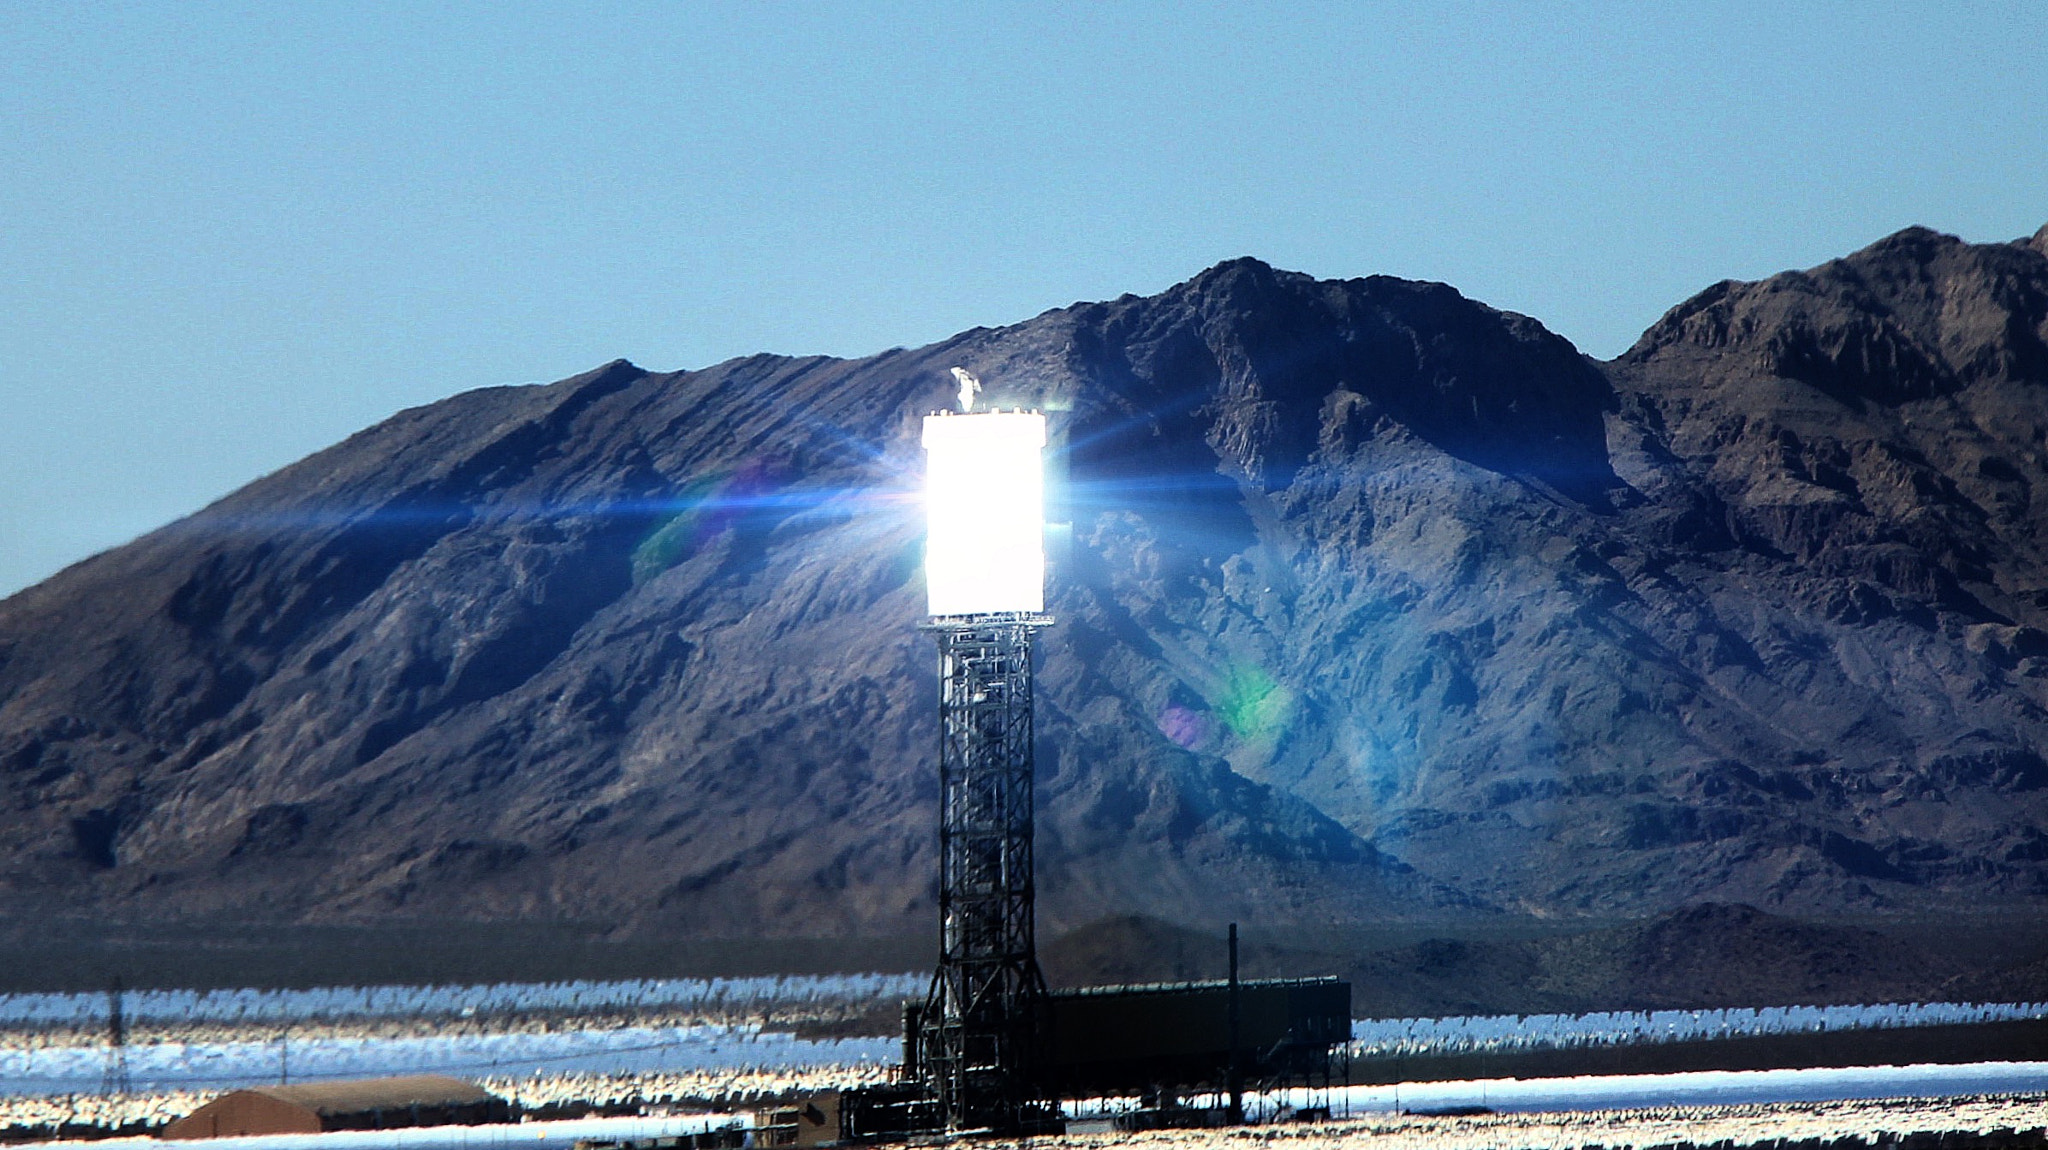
column 115, row 1079
column 1236, row 1063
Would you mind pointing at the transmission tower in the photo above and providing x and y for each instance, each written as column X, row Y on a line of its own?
column 115, row 1079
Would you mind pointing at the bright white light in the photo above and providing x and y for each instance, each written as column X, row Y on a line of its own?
column 984, row 498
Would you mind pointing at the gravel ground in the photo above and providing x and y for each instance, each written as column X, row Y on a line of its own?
column 1611, row 1129
column 732, row 1086
column 1556, row 1130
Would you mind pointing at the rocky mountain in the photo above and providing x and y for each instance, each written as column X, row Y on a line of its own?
column 1374, row 602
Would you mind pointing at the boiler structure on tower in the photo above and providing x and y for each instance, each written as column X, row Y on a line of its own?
column 975, row 1040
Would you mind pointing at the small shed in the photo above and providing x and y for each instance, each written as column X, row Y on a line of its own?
column 812, row 1120
column 360, row 1104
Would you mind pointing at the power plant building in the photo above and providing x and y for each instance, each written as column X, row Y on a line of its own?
column 1130, row 1039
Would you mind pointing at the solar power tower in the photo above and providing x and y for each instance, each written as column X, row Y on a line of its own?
column 985, row 578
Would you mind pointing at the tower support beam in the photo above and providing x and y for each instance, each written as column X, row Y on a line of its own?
column 977, row 1039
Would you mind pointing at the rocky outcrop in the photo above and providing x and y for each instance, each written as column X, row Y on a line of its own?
column 1374, row 601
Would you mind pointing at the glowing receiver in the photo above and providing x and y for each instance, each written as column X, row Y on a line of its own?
column 984, row 498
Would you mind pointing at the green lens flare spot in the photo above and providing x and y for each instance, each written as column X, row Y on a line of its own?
column 676, row 537
column 1253, row 704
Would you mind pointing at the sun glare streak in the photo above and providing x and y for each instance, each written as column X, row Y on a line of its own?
column 1137, row 423
column 706, row 496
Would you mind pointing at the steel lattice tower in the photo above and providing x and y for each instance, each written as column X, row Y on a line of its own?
column 115, row 1079
column 977, row 1034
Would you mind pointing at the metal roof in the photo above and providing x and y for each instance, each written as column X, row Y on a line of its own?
column 1185, row 987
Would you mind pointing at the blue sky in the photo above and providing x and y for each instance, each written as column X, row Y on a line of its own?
column 233, row 234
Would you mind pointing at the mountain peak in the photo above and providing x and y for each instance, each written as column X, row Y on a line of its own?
column 1244, row 280
column 1270, row 349
column 1242, row 265
column 1914, row 242
column 1915, row 314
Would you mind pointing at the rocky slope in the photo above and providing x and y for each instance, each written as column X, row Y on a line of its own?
column 1374, row 601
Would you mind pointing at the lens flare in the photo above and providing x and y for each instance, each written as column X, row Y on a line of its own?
column 1187, row 728
column 705, row 508
column 1254, row 705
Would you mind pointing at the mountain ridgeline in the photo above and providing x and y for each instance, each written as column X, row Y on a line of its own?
column 1374, row 603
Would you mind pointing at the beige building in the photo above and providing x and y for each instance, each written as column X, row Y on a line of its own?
column 810, row 1121
column 362, row 1104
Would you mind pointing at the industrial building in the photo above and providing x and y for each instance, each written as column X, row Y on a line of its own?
column 1156, row 1043
column 361, row 1104
column 1114, row 1040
